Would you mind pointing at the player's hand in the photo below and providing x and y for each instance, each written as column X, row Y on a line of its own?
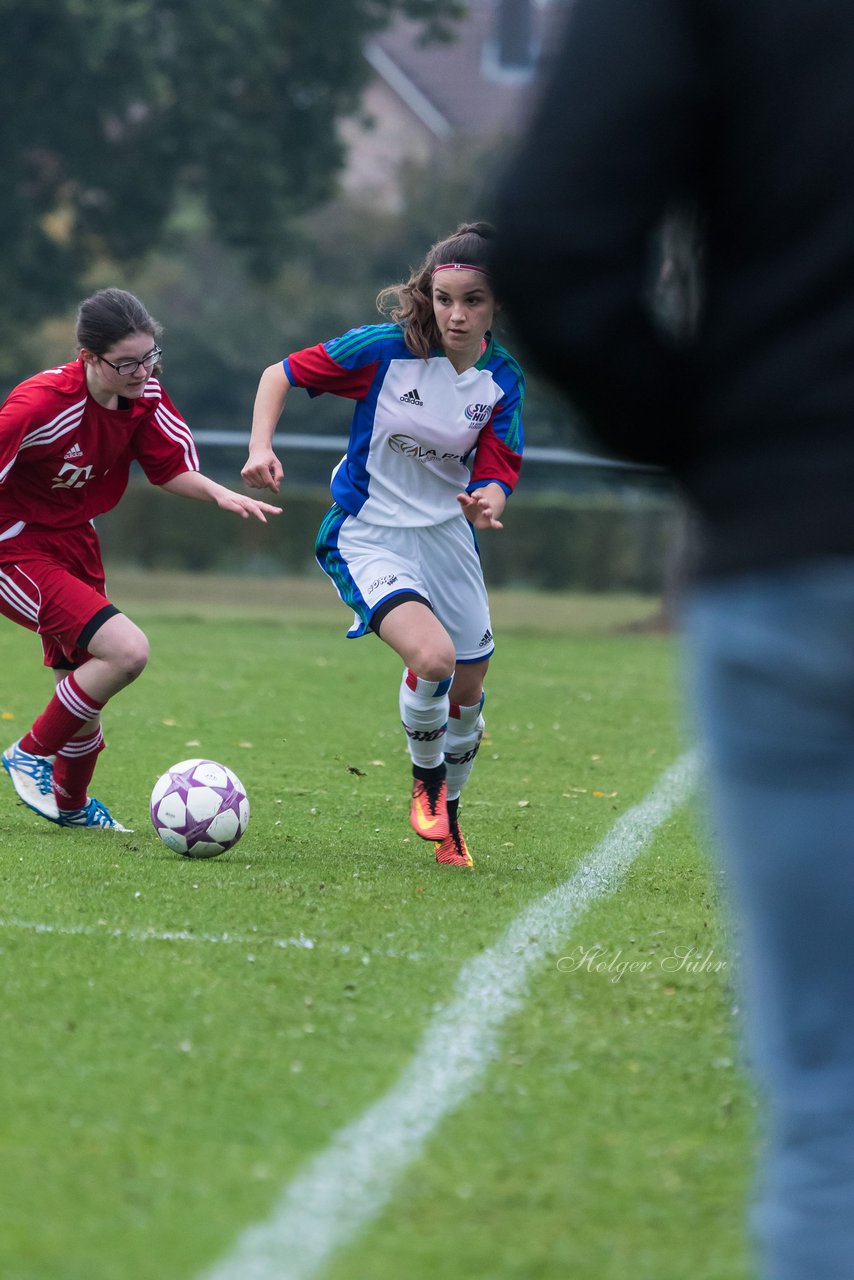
column 244, row 506
column 263, row 470
column 478, row 510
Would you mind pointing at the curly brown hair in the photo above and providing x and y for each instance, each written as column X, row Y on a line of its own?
column 411, row 304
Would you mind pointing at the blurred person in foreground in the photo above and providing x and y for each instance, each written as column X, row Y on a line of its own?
column 68, row 436
column 743, row 109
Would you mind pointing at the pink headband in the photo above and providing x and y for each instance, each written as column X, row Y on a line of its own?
column 458, row 266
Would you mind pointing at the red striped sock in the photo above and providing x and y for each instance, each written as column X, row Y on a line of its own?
column 72, row 772
column 61, row 719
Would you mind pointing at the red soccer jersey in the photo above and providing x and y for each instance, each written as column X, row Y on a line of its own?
column 65, row 459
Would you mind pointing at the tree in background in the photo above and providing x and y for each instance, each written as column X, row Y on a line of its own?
column 222, row 328
column 114, row 109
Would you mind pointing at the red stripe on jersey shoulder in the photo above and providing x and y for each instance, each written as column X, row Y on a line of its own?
column 315, row 370
column 493, row 460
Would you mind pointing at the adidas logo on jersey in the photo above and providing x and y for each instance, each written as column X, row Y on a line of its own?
column 412, row 397
column 74, row 452
column 486, row 639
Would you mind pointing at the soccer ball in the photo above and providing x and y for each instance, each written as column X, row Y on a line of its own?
column 199, row 808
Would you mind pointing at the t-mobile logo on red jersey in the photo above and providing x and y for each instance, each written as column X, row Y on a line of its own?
column 71, row 477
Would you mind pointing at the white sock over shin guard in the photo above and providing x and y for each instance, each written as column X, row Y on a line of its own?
column 462, row 742
column 424, row 713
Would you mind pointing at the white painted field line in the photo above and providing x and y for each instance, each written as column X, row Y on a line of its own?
column 300, row 941
column 351, row 1181
column 152, row 935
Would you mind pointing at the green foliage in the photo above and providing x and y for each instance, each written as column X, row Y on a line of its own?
column 223, row 327
column 111, row 109
column 587, row 543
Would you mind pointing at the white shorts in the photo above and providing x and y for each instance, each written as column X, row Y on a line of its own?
column 370, row 564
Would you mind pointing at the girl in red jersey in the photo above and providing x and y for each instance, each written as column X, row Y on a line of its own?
column 67, row 439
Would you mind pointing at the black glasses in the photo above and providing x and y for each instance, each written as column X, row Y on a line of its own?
column 126, row 367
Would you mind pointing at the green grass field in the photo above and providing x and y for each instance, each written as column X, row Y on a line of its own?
column 177, row 1038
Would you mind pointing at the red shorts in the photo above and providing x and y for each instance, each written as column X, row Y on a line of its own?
column 54, row 584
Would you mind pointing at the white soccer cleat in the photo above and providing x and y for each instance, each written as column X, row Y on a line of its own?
column 93, row 814
column 32, row 778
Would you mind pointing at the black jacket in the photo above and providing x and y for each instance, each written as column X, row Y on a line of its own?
column 743, row 109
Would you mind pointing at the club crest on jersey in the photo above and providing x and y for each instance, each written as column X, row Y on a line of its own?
column 412, row 397
column 478, row 414
column 74, row 452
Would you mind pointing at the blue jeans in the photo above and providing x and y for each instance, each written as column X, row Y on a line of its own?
column 771, row 662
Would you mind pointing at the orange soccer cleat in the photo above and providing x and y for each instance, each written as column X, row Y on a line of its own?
column 453, row 850
column 429, row 811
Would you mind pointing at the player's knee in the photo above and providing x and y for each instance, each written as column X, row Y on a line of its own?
column 133, row 655
column 435, row 663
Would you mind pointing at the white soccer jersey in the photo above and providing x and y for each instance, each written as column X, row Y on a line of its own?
column 417, row 424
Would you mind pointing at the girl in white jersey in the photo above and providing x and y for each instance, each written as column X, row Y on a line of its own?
column 434, row 451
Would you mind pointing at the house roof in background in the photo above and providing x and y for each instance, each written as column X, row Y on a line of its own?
column 459, row 88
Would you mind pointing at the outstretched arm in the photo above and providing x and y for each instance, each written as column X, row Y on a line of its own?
column 192, row 484
column 263, row 469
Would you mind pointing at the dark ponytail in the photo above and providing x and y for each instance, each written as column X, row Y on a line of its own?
column 109, row 316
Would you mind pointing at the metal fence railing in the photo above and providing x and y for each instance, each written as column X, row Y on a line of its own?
column 338, row 444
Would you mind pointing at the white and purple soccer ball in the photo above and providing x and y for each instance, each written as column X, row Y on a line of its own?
column 199, row 808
